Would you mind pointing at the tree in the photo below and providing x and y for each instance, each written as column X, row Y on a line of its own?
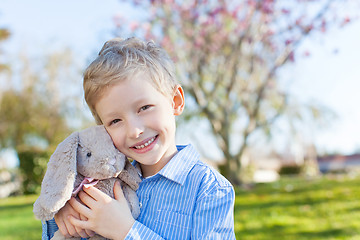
column 27, row 119
column 33, row 112
column 228, row 54
column 4, row 35
column 34, row 116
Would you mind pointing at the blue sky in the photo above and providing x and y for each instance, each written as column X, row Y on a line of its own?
column 40, row 26
column 331, row 76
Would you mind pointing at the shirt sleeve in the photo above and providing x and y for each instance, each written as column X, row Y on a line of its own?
column 214, row 214
column 48, row 229
column 139, row 231
column 44, row 234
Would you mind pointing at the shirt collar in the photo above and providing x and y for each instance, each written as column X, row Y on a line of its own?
column 180, row 165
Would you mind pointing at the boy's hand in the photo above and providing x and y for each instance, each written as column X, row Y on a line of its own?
column 66, row 228
column 111, row 218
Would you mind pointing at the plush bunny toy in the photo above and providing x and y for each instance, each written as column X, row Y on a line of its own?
column 85, row 157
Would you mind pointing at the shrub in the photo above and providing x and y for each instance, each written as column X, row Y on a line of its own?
column 290, row 170
column 33, row 162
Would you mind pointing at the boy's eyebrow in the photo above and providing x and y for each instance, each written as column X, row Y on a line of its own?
column 141, row 100
column 111, row 114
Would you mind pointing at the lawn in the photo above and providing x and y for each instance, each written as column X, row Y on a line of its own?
column 325, row 208
column 293, row 208
column 17, row 221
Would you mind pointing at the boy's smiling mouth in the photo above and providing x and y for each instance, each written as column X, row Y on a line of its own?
column 145, row 143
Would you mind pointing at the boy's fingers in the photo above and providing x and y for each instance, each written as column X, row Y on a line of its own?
column 68, row 230
column 82, row 233
column 118, row 192
column 78, row 223
column 95, row 193
column 88, row 233
column 80, row 208
column 63, row 229
column 86, row 199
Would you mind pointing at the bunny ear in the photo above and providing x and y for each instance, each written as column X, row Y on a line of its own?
column 58, row 182
column 130, row 176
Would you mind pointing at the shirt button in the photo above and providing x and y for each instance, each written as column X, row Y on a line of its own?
column 140, row 205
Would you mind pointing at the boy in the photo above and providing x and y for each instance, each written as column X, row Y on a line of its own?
column 131, row 89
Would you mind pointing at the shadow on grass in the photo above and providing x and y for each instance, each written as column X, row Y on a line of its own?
column 281, row 232
column 296, row 193
column 278, row 203
column 16, row 206
column 329, row 233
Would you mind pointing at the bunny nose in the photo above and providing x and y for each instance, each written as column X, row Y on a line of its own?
column 112, row 161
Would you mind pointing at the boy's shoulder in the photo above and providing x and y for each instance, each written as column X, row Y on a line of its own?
column 210, row 175
column 189, row 166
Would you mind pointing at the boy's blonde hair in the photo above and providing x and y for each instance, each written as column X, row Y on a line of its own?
column 123, row 59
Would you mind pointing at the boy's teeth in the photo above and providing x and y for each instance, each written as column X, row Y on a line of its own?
column 145, row 144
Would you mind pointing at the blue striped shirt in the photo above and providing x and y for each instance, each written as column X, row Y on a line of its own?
column 186, row 199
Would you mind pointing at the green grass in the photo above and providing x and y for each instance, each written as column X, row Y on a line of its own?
column 17, row 221
column 298, row 209
column 292, row 208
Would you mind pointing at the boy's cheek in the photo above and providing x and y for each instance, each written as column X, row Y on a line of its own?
column 115, row 139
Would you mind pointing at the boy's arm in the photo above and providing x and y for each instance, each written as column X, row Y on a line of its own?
column 214, row 214
column 140, row 231
column 59, row 222
column 64, row 225
column 109, row 217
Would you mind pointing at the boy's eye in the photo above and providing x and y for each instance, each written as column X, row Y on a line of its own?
column 115, row 121
column 145, row 107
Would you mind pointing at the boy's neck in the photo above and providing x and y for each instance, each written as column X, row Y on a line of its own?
column 151, row 170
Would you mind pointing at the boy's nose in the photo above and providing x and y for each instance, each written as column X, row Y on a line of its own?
column 135, row 129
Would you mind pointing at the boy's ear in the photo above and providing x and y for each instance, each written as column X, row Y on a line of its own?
column 178, row 100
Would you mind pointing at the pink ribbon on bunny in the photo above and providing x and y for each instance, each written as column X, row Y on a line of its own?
column 86, row 182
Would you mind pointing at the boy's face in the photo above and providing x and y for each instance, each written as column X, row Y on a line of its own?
column 141, row 121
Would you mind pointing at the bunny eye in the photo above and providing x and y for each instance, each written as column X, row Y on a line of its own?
column 88, row 154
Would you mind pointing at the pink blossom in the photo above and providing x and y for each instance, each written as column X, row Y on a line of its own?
column 285, row 11
column 199, row 42
column 235, row 12
column 292, row 56
column 134, row 25
column 308, row 28
column 345, row 21
column 323, row 25
column 216, row 11
column 288, row 41
column 251, row 3
column 307, row 53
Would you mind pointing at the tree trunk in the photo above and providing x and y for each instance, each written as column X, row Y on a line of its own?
column 231, row 169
